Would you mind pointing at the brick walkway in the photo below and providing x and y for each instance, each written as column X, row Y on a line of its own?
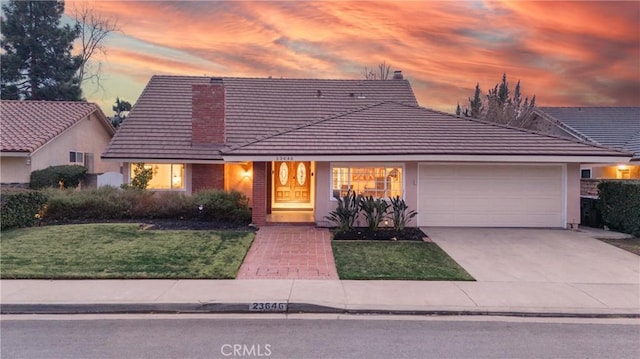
column 289, row 252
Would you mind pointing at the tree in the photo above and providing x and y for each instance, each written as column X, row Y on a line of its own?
column 93, row 29
column 499, row 106
column 384, row 72
column 121, row 109
column 37, row 63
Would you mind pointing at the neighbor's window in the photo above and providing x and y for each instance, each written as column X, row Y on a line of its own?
column 165, row 175
column 379, row 182
column 585, row 173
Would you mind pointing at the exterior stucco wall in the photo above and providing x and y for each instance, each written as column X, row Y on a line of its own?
column 15, row 170
column 573, row 194
column 89, row 135
column 611, row 172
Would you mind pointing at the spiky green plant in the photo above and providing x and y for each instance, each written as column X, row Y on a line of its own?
column 375, row 211
column 344, row 216
column 399, row 213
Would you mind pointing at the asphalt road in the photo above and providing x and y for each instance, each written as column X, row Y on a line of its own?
column 307, row 337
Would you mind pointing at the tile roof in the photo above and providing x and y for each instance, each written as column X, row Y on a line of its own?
column 27, row 125
column 390, row 128
column 159, row 125
column 616, row 127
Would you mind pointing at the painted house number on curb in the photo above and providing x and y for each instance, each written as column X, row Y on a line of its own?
column 268, row 307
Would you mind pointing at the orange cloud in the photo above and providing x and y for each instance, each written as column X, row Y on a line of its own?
column 573, row 53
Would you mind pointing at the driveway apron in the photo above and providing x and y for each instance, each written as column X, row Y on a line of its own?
column 536, row 255
column 290, row 252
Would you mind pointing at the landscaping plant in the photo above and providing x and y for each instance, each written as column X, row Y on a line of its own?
column 619, row 203
column 66, row 176
column 20, row 208
column 344, row 216
column 375, row 211
column 399, row 214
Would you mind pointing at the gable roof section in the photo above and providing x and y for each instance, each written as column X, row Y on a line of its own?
column 159, row 125
column 615, row 127
column 28, row 125
column 393, row 129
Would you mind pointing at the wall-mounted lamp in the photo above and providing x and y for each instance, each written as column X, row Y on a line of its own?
column 623, row 167
column 28, row 161
column 246, row 174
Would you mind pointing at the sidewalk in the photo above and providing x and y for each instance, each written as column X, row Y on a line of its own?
column 320, row 296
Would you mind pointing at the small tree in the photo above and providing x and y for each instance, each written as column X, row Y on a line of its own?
column 141, row 176
column 383, row 73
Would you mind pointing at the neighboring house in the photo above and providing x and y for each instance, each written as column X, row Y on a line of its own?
column 291, row 145
column 615, row 127
column 37, row 134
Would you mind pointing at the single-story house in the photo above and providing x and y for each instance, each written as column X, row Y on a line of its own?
column 39, row 134
column 292, row 145
column 615, row 127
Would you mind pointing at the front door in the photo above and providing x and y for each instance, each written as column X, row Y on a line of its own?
column 292, row 182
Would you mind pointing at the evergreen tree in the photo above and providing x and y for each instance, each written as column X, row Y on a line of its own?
column 476, row 103
column 37, row 63
column 121, row 109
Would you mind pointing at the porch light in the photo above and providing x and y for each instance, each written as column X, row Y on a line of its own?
column 246, row 174
column 623, row 167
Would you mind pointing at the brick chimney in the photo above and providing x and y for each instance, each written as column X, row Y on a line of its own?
column 207, row 113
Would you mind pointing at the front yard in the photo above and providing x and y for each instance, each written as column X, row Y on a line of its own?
column 121, row 251
column 400, row 260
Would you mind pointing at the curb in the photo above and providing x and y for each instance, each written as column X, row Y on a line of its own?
column 291, row 308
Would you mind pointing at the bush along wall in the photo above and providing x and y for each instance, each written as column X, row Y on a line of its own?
column 619, row 204
column 20, row 208
column 67, row 176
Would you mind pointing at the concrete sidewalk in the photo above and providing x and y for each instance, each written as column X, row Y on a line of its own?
column 320, row 296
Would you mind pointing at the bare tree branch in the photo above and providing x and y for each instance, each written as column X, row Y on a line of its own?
column 94, row 29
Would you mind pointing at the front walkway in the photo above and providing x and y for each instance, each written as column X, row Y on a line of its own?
column 290, row 252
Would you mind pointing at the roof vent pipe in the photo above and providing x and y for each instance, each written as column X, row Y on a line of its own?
column 397, row 75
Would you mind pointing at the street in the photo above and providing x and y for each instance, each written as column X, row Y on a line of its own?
column 308, row 336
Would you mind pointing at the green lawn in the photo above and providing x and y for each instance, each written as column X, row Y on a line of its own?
column 120, row 251
column 395, row 260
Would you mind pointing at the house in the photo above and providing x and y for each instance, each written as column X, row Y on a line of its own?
column 615, row 127
column 291, row 145
column 39, row 134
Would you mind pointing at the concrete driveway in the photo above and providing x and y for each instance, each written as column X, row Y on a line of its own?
column 536, row 255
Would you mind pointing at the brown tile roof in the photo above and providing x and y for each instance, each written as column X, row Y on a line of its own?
column 159, row 125
column 27, row 125
column 391, row 128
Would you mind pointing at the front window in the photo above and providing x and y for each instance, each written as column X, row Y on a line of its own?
column 165, row 175
column 379, row 182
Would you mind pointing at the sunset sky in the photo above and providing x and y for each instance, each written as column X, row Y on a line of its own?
column 567, row 53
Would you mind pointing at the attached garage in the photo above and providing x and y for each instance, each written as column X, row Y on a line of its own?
column 491, row 195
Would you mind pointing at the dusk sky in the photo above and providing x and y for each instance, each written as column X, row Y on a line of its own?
column 567, row 53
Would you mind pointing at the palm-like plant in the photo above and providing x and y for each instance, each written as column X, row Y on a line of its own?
column 344, row 216
column 375, row 211
column 399, row 213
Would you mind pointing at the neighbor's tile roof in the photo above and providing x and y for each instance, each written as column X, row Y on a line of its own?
column 616, row 127
column 391, row 128
column 27, row 125
column 159, row 125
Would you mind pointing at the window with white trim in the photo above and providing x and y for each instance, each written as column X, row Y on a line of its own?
column 169, row 176
column 585, row 173
column 379, row 182
column 76, row 158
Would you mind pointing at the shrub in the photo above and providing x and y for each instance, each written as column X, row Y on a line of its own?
column 68, row 176
column 218, row 205
column 374, row 209
column 399, row 214
column 20, row 208
column 141, row 176
column 344, row 216
column 619, row 204
column 104, row 203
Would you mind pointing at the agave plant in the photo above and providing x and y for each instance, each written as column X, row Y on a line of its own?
column 344, row 216
column 375, row 211
column 399, row 213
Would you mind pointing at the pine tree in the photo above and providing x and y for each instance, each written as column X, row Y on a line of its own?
column 121, row 109
column 37, row 63
column 476, row 104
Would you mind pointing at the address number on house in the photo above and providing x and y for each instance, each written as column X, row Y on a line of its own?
column 284, row 158
column 268, row 307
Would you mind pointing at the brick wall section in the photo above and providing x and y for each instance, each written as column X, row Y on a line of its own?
column 259, row 210
column 589, row 187
column 208, row 114
column 207, row 177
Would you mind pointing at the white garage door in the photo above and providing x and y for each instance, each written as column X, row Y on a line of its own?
column 491, row 196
